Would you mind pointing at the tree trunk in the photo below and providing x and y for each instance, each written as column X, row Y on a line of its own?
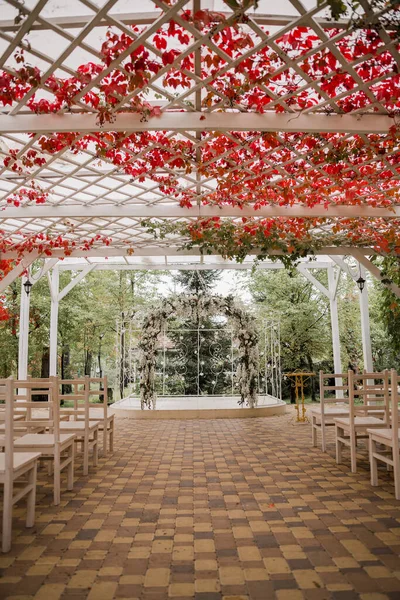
column 45, row 369
column 65, row 368
column 88, row 363
column 292, row 395
column 312, row 379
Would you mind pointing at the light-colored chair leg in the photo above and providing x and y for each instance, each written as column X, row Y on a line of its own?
column 338, row 445
column 31, row 497
column 323, row 437
column 105, row 434
column 373, row 462
column 314, row 431
column 86, row 455
column 396, row 473
column 112, row 435
column 7, row 516
column 95, row 447
column 70, row 468
column 353, row 451
column 57, row 479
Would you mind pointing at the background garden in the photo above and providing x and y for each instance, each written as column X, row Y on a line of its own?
column 88, row 316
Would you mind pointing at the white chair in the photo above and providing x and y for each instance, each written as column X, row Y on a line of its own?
column 86, row 431
column 388, row 440
column 99, row 411
column 371, row 390
column 54, row 446
column 13, row 467
column 330, row 407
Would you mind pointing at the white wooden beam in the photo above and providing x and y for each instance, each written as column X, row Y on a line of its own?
column 53, row 352
column 166, row 250
column 304, row 271
column 373, row 269
column 23, row 338
column 198, row 121
column 16, row 271
column 146, row 18
column 214, row 264
column 75, row 281
column 365, row 325
column 333, row 306
column 364, row 310
column 160, row 211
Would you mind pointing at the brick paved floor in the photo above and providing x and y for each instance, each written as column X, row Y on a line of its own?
column 239, row 509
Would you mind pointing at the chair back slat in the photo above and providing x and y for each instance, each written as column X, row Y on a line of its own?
column 394, row 401
column 48, row 388
column 371, row 390
column 325, row 388
column 82, row 398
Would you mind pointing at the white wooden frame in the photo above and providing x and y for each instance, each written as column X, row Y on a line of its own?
column 13, row 467
column 322, row 416
column 389, row 439
column 368, row 415
column 54, row 447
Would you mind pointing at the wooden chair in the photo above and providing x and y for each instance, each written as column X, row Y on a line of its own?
column 55, row 446
column 388, row 440
column 86, row 431
column 330, row 407
column 99, row 411
column 371, row 390
column 13, row 467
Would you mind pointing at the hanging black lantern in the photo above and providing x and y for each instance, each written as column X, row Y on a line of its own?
column 28, row 286
column 361, row 283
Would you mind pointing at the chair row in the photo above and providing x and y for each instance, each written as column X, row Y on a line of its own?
column 37, row 428
column 367, row 409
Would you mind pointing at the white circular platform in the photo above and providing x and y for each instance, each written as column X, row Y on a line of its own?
column 199, row 407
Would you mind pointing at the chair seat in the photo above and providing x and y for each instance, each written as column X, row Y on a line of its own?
column 41, row 440
column 78, row 426
column 361, row 422
column 20, row 459
column 383, row 433
column 331, row 410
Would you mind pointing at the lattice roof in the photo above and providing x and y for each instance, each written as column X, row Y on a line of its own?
column 188, row 109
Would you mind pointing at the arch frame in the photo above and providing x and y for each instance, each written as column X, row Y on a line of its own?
column 192, row 306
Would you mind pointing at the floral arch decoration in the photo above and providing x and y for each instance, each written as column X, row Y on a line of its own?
column 195, row 307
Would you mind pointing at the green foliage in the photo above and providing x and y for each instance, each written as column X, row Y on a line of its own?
column 87, row 319
column 360, row 18
column 389, row 305
column 303, row 315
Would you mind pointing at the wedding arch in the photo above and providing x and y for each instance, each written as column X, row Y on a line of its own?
column 195, row 307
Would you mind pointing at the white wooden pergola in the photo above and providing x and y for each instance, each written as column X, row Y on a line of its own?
column 88, row 195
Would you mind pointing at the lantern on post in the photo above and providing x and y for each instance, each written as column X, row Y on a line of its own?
column 28, row 286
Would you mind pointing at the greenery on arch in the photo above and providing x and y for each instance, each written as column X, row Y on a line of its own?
column 194, row 307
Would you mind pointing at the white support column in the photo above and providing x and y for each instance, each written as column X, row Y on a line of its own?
column 54, row 281
column 23, row 341
column 365, row 325
column 337, row 360
column 364, row 305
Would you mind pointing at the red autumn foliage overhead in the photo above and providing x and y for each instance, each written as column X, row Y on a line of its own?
column 243, row 68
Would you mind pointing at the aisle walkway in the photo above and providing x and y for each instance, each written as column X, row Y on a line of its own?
column 211, row 510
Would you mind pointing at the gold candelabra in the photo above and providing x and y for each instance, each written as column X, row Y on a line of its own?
column 298, row 378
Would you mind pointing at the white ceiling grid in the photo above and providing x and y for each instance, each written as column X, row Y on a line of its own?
column 88, row 195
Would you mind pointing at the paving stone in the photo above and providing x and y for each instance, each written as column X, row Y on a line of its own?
column 241, row 509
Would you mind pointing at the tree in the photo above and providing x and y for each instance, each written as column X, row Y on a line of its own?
column 388, row 312
column 199, row 361
column 304, row 319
